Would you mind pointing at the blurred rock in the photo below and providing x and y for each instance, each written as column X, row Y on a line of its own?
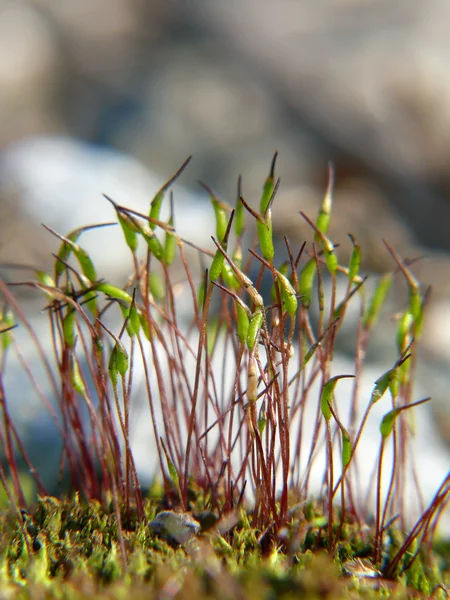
column 372, row 80
column 175, row 528
column 101, row 37
column 199, row 101
column 30, row 72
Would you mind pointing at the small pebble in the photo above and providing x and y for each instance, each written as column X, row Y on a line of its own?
column 360, row 568
column 175, row 527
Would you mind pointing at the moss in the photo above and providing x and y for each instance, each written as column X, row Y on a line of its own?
column 75, row 548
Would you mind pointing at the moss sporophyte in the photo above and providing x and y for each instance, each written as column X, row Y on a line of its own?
column 227, row 453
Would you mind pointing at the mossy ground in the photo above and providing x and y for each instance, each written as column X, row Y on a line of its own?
column 70, row 549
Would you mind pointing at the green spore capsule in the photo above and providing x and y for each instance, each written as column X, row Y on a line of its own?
column 288, row 293
column 306, row 282
column 221, row 219
column 69, row 327
column 170, row 248
column 327, row 397
column 133, row 321
column 45, row 278
column 268, row 187
column 239, row 218
column 173, row 472
column 331, row 261
column 415, row 303
column 387, row 423
column 323, row 218
column 404, row 328
column 262, row 420
column 6, row 323
column 377, row 301
column 118, row 362
column 114, row 292
column 346, row 448
column 290, row 304
column 76, row 379
column 243, row 322
column 156, row 203
column 283, row 269
column 84, row 260
column 229, row 277
column 382, row 384
column 154, row 245
column 216, row 267
column 144, row 325
column 65, row 251
column 327, row 394
column 155, row 207
column 254, row 328
column 265, row 237
column 129, row 232
column 355, row 262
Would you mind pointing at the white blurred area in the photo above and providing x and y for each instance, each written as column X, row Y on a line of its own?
column 61, row 183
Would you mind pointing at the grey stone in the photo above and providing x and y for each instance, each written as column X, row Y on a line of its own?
column 175, row 527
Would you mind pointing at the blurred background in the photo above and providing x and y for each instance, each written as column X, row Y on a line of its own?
column 110, row 96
